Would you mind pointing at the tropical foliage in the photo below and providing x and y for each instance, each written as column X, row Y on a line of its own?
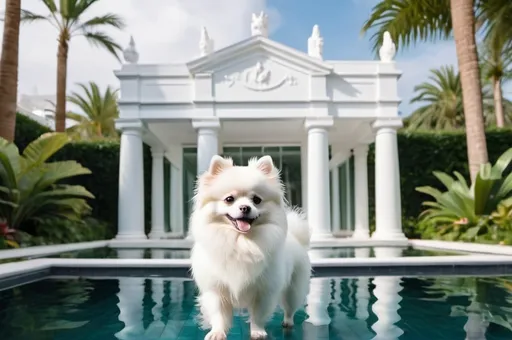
column 468, row 212
column 31, row 188
column 99, row 109
column 411, row 21
column 442, row 107
column 69, row 17
column 496, row 69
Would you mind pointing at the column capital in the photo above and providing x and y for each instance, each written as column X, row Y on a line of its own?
column 360, row 150
column 210, row 124
column 157, row 152
column 387, row 123
column 318, row 122
column 132, row 125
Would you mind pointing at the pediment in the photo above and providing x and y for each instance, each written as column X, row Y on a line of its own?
column 258, row 47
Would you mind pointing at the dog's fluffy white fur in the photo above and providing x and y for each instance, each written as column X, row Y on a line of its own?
column 250, row 248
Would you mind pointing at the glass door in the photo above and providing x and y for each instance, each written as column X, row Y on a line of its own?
column 286, row 158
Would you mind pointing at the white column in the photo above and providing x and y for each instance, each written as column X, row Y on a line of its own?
column 131, row 296
column 157, row 326
column 387, row 291
column 388, row 210
column 335, row 204
column 131, row 184
column 157, row 195
column 318, row 178
column 176, row 199
column 304, row 173
column 207, row 142
column 362, row 223
column 476, row 325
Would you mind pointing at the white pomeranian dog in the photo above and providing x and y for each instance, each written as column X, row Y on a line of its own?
column 250, row 248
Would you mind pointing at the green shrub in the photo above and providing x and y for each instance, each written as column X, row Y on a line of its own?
column 471, row 213
column 421, row 153
column 27, row 130
column 102, row 158
column 59, row 231
column 32, row 188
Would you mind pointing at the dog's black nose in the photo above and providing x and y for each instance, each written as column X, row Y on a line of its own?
column 245, row 209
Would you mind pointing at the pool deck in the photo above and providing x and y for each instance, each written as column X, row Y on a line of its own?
column 488, row 258
column 40, row 251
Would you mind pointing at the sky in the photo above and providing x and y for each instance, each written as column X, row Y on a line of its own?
column 168, row 31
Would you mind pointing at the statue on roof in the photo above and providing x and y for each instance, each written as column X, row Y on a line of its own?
column 315, row 43
column 130, row 54
column 205, row 43
column 388, row 49
column 259, row 24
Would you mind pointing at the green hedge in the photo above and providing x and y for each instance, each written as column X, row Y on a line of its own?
column 27, row 130
column 420, row 154
column 102, row 158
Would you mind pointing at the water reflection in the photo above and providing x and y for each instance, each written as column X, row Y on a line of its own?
column 335, row 252
column 337, row 308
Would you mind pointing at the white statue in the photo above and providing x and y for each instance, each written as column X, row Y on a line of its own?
column 130, row 54
column 388, row 49
column 205, row 43
column 316, row 43
column 259, row 24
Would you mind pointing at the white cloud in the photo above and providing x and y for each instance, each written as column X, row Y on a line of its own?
column 164, row 31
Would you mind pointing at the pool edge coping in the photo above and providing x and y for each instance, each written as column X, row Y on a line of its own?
column 28, row 266
column 473, row 248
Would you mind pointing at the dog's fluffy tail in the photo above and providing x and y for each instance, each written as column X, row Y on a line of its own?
column 298, row 226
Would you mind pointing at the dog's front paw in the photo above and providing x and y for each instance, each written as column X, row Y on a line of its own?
column 258, row 334
column 287, row 323
column 215, row 335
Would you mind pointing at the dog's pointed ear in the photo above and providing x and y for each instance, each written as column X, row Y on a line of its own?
column 266, row 165
column 217, row 164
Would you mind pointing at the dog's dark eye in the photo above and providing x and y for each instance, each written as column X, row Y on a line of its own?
column 256, row 200
column 229, row 199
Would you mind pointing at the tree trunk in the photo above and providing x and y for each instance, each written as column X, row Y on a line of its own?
column 9, row 69
column 62, row 73
column 498, row 103
column 463, row 20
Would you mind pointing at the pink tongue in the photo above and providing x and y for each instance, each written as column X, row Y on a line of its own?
column 243, row 225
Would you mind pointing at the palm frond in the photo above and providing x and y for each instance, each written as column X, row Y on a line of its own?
column 29, row 17
column 108, row 19
column 101, row 39
column 409, row 21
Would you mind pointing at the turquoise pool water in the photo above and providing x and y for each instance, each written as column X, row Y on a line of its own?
column 386, row 308
column 337, row 252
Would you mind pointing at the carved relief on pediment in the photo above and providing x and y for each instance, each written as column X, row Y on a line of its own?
column 259, row 78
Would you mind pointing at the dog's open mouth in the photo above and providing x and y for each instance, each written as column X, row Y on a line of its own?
column 243, row 225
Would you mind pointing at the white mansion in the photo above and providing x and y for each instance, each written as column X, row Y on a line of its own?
column 315, row 117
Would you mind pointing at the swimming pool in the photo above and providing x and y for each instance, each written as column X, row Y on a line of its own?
column 389, row 307
column 162, row 253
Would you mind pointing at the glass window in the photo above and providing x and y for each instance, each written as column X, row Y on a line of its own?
column 167, row 195
column 287, row 159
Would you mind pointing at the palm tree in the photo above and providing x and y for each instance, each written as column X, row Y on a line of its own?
column 100, row 112
column 497, row 14
column 68, row 19
column 443, row 109
column 9, row 69
column 409, row 21
column 463, row 20
column 443, row 97
column 496, row 68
